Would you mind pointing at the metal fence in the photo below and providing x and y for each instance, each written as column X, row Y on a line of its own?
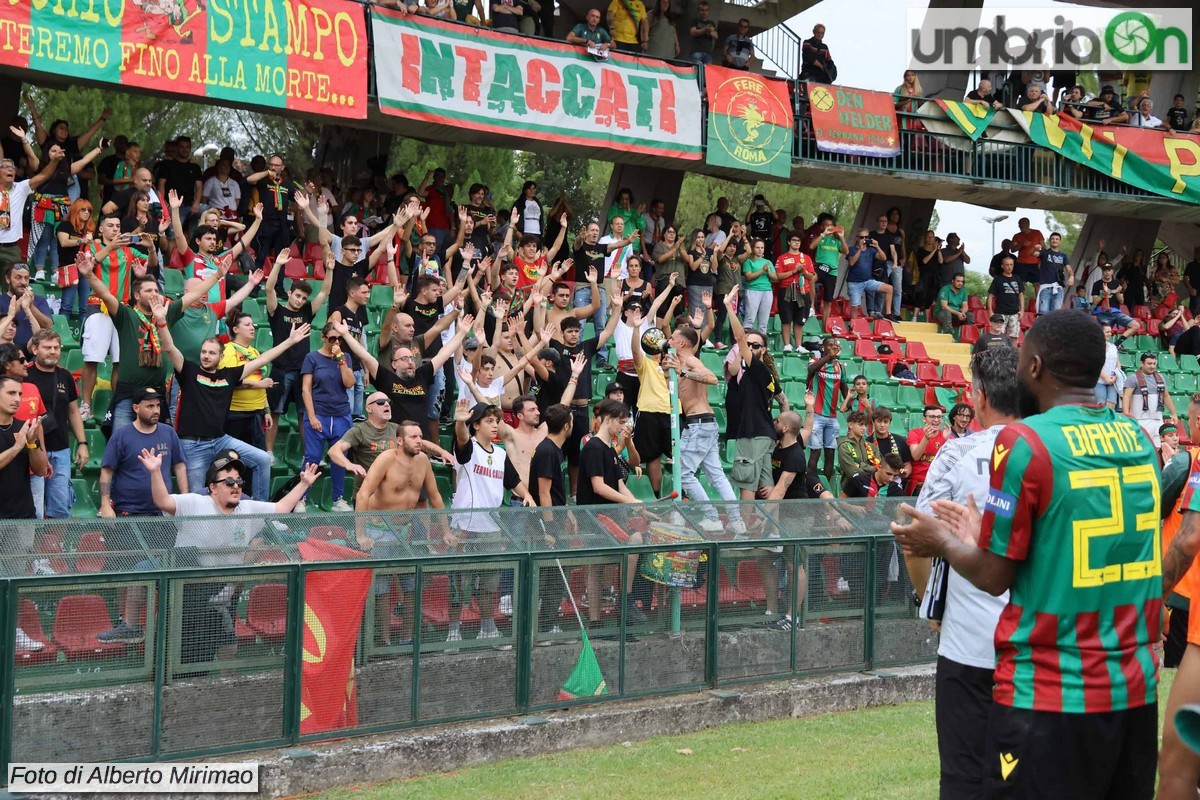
column 232, row 617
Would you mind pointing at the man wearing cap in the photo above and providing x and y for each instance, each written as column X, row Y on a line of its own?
column 993, row 337
column 208, row 630
column 405, row 384
column 1106, row 109
column 482, row 473
column 123, row 494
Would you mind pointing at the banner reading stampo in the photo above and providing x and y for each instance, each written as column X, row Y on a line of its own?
column 449, row 74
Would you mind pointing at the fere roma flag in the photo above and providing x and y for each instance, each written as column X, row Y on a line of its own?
column 973, row 118
column 586, row 680
column 1158, row 161
column 302, row 55
column 854, row 121
column 750, row 122
column 334, row 601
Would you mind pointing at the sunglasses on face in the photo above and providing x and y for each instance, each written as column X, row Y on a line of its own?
column 333, row 338
column 756, row 346
column 232, row 482
column 381, row 402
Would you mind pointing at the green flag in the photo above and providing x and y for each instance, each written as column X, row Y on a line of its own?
column 585, row 680
column 973, row 118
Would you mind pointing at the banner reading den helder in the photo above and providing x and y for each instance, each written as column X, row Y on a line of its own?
column 450, row 74
column 303, row 55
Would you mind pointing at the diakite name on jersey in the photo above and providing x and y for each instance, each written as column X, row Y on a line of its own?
column 1103, row 438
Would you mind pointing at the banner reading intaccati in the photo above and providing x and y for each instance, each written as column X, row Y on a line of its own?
column 304, row 55
column 449, row 74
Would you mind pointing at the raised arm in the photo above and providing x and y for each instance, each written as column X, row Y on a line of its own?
column 369, row 362
column 164, row 333
column 443, row 355
column 248, row 236
column 86, row 263
column 298, row 334
column 273, row 278
column 152, row 461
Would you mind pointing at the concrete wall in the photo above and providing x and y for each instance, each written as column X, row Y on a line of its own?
column 111, row 724
column 646, row 183
column 1115, row 232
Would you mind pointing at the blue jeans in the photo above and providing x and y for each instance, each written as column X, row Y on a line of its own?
column 317, row 442
column 46, row 246
column 433, row 400
column 74, row 299
column 700, row 448
column 198, row 455
column 824, row 433
column 702, row 58
column 53, row 497
column 1107, row 393
column 1050, row 299
column 356, row 394
column 122, row 414
column 583, row 297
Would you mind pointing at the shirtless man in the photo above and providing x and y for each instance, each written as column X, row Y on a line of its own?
column 699, row 438
column 520, row 441
column 399, row 480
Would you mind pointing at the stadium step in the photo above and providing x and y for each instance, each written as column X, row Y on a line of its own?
column 940, row 346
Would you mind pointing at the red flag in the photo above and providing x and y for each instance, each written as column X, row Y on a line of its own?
column 334, row 601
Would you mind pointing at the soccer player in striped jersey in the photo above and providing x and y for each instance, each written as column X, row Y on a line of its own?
column 1071, row 529
column 827, row 382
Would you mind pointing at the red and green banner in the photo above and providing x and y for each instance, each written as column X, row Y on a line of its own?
column 454, row 75
column 854, row 121
column 749, row 121
column 334, row 601
column 1158, row 161
column 301, row 55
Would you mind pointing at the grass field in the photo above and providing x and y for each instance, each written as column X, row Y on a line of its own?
column 888, row 752
column 884, row 753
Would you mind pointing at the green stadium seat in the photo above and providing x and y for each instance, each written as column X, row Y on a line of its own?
column 716, row 394
column 910, row 397
column 173, row 283
column 85, row 499
column 101, row 401
column 876, row 371
column 792, row 367
column 380, row 298
column 1188, row 364
column 72, row 360
column 813, row 327
column 640, row 486
column 95, row 443
column 62, row 326
column 1128, row 361
column 713, row 360
column 255, row 310
column 1167, row 363
column 445, row 486
column 263, row 340
column 1186, row 383
column 884, row 394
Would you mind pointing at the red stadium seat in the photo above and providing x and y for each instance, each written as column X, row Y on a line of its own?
column 727, row 595
column 296, row 270
column 271, row 557
column 974, row 303
column 865, row 350
column 841, row 307
column 1141, row 312
column 266, row 611
column 952, row 375
column 749, row 581
column 927, row 374
column 29, row 621
column 49, row 543
column 1153, row 327
column 915, row 352
column 968, row 334
column 884, row 329
column 860, row 328
column 931, row 396
column 1161, row 312
column 78, row 620
column 1027, row 320
column 981, row 317
column 836, row 326
column 92, row 542
column 328, row 533
column 314, row 253
column 435, row 600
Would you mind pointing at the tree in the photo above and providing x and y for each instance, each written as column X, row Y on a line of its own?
column 1068, row 224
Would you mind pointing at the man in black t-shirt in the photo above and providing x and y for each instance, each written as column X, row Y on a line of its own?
column 205, row 392
column 602, row 482
column 548, row 488
column 759, row 219
column 1177, row 114
column 1006, row 297
column 993, row 337
column 569, row 347
column 276, row 194
column 983, row 95
column 182, row 176
column 21, row 454
column 405, row 384
column 591, row 255
column 754, row 430
column 353, row 312
column 352, row 267
column 299, row 309
column 426, row 305
column 57, row 388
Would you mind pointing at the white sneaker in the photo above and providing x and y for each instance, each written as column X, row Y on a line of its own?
column 42, row 567
column 712, row 525
column 40, row 275
column 488, row 629
column 505, row 606
column 708, row 345
column 341, row 506
column 843, row 585
column 787, row 348
column 454, row 634
column 25, row 643
column 737, row 527
column 300, row 508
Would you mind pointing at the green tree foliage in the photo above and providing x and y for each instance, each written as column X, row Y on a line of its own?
column 699, row 195
column 464, row 165
column 1066, row 223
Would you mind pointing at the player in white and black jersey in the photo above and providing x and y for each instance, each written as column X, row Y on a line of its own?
column 966, row 651
column 482, row 473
